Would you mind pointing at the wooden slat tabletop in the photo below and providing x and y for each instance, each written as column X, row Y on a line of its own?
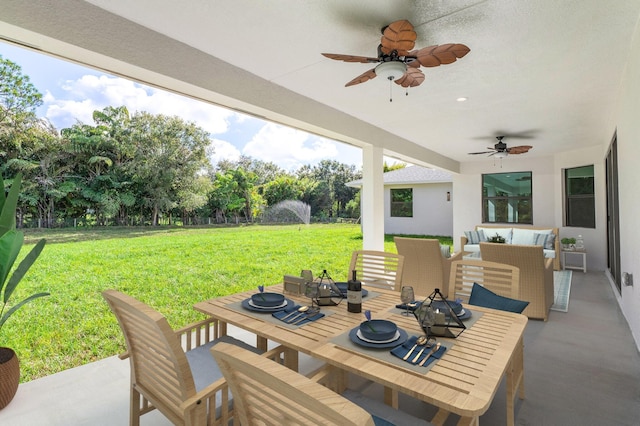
column 464, row 381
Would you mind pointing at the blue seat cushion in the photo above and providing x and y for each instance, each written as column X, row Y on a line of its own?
column 382, row 414
column 481, row 296
column 204, row 367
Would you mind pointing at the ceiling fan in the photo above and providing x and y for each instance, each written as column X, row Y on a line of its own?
column 397, row 62
column 500, row 149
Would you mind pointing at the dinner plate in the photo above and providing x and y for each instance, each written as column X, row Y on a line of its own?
column 343, row 288
column 253, row 305
column 247, row 305
column 353, row 335
column 464, row 314
column 393, row 339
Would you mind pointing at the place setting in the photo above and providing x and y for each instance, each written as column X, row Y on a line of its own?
column 377, row 333
column 267, row 302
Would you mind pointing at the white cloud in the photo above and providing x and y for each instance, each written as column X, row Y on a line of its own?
column 90, row 92
column 223, row 150
column 289, row 148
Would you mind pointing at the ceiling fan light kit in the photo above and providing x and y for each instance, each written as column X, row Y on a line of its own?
column 391, row 70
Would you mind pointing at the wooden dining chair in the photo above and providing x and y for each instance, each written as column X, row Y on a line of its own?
column 173, row 371
column 378, row 268
column 268, row 393
column 502, row 279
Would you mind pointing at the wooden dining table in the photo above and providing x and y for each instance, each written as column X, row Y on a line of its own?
column 463, row 381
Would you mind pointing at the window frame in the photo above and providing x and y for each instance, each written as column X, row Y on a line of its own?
column 405, row 204
column 568, row 198
column 485, row 199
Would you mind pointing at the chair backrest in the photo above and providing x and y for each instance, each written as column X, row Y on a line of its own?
column 267, row 393
column 378, row 268
column 424, row 265
column 501, row 279
column 530, row 259
column 536, row 274
column 159, row 367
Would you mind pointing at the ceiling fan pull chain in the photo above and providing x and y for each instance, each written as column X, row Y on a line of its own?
column 390, row 89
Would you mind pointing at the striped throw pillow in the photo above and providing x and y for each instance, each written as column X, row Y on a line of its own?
column 475, row 237
column 544, row 240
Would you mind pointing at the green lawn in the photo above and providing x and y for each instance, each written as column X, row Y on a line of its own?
column 169, row 269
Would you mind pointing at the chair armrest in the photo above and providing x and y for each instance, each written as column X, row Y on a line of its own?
column 193, row 335
column 275, row 354
column 220, row 414
column 548, row 263
column 198, row 333
column 463, row 242
column 456, row 256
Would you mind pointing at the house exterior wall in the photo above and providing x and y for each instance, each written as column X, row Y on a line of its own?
column 548, row 196
column 628, row 132
column 432, row 213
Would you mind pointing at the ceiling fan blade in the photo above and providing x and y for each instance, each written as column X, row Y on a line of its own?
column 400, row 36
column 350, row 58
column 522, row 149
column 366, row 76
column 483, row 152
column 412, row 78
column 434, row 56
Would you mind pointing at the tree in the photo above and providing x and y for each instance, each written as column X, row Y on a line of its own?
column 169, row 153
column 331, row 195
column 282, row 188
column 225, row 197
column 18, row 102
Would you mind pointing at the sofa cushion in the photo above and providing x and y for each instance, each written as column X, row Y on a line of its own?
column 475, row 237
column 503, row 232
column 481, row 296
column 473, row 248
column 445, row 250
column 522, row 236
column 547, row 241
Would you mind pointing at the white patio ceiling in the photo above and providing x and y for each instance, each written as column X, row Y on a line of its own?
column 548, row 70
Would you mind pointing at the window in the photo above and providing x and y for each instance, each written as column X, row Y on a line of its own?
column 506, row 198
column 402, row 202
column 580, row 205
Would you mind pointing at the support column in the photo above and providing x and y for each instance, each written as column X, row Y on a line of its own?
column 372, row 199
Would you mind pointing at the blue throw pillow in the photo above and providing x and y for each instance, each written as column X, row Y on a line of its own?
column 481, row 296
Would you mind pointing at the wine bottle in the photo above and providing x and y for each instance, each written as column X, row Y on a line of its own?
column 354, row 294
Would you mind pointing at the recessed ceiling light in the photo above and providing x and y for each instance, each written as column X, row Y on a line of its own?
column 461, row 99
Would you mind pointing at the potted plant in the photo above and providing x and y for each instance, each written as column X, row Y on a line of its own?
column 568, row 243
column 497, row 239
column 11, row 242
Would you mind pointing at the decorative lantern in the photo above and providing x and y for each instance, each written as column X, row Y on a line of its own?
column 439, row 317
column 323, row 291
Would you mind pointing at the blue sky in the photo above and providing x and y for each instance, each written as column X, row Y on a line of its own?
column 71, row 93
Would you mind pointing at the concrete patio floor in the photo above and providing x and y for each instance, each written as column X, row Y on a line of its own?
column 581, row 368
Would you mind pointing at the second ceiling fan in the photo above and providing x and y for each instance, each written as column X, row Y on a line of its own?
column 501, row 150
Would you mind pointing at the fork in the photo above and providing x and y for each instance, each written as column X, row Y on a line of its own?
column 304, row 316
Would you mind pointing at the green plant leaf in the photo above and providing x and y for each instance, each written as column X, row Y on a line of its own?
column 10, row 245
column 22, row 269
column 14, row 308
column 8, row 213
